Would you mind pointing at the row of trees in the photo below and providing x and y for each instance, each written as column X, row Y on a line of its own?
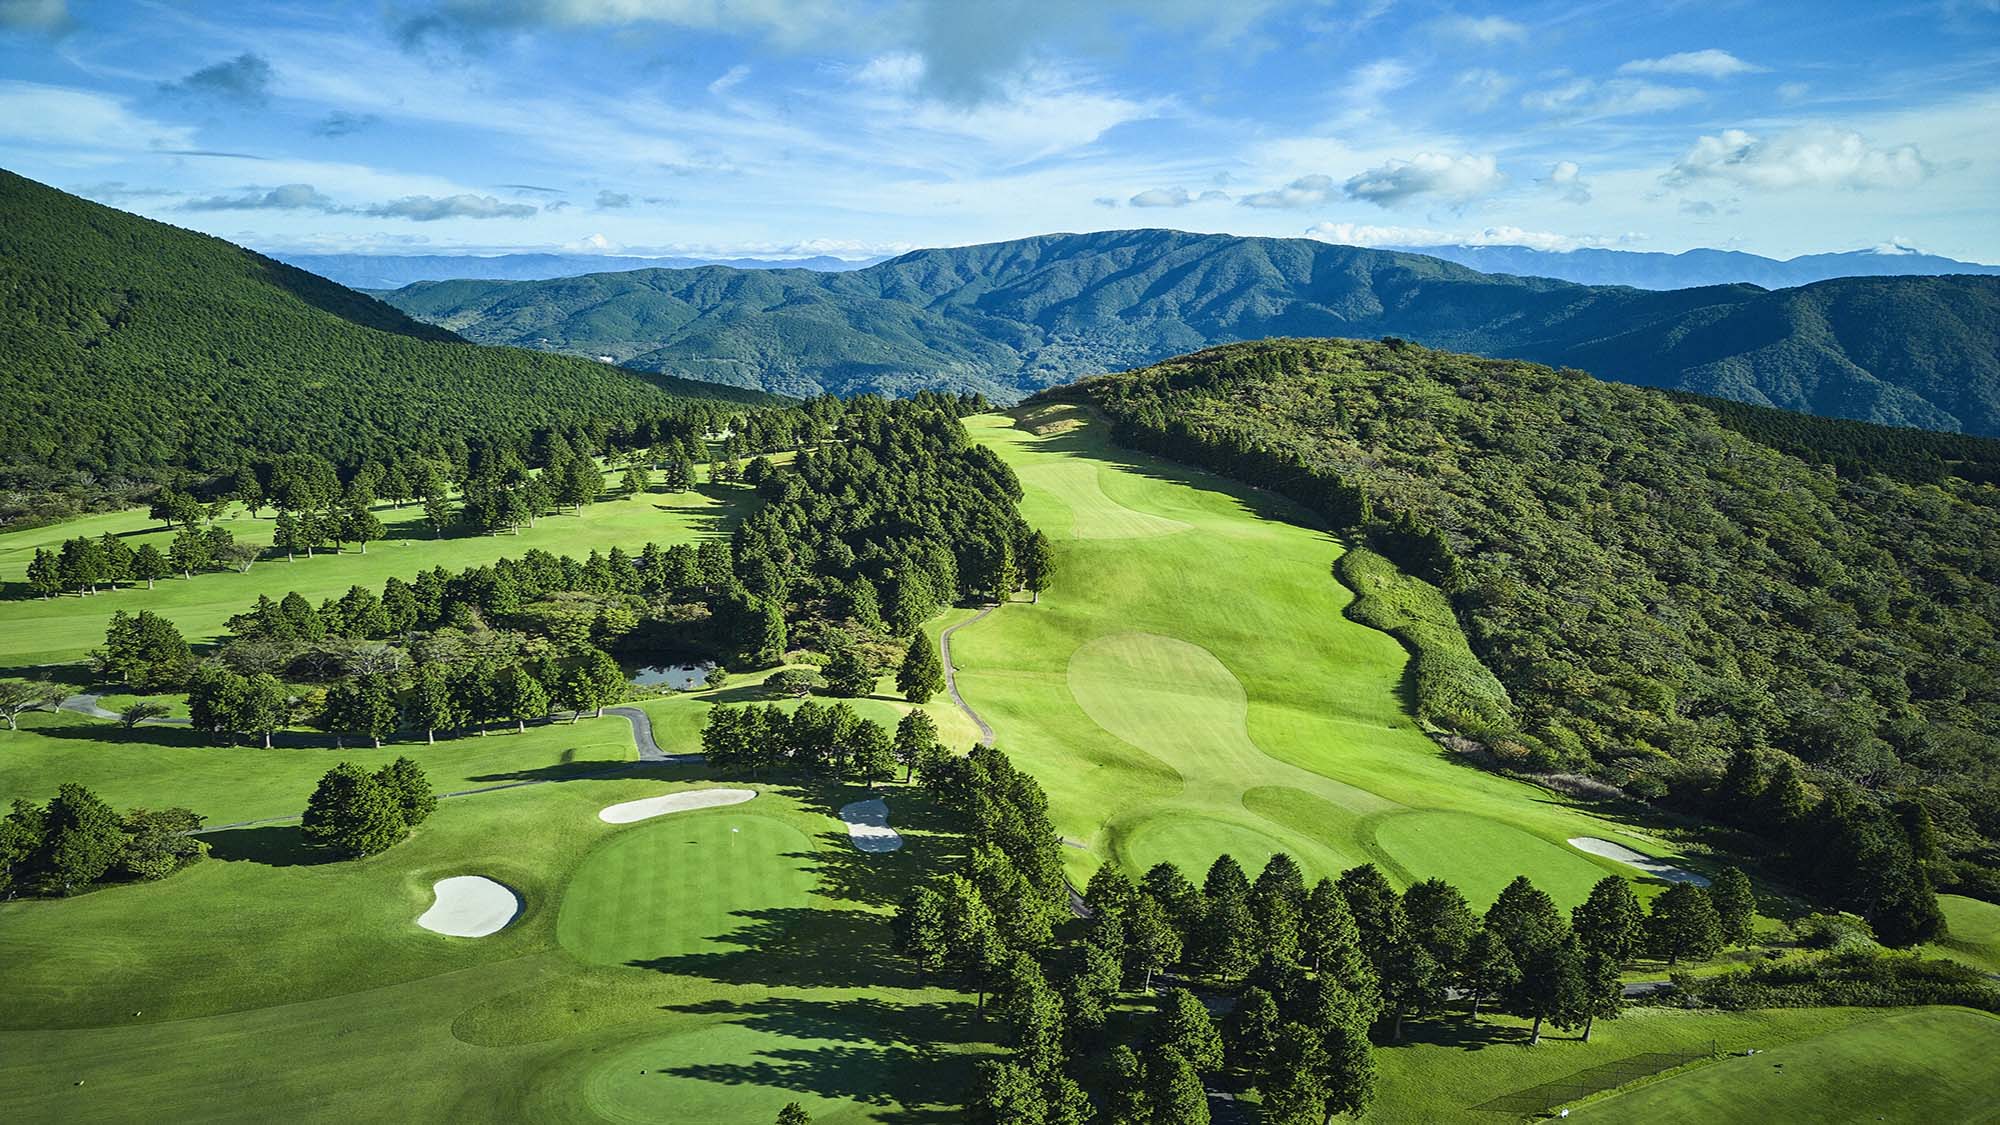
column 83, row 564
column 76, row 840
column 817, row 738
column 432, row 697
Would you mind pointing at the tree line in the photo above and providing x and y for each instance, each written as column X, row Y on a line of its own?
column 77, row 840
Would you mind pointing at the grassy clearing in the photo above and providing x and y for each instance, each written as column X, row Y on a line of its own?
column 37, row 631
column 1919, row 1066
column 1972, row 932
column 747, row 996
column 1183, row 693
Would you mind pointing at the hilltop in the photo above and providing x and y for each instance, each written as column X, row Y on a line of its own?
column 129, row 348
column 1011, row 318
column 1702, row 266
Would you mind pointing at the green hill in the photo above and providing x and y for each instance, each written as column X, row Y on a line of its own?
column 1655, row 583
column 1010, row 318
column 128, row 346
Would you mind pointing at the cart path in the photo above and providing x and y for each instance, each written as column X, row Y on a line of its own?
column 951, row 673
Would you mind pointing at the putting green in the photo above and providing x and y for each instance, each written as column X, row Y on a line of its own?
column 1922, row 1066
column 683, row 886
column 1167, row 834
column 1481, row 856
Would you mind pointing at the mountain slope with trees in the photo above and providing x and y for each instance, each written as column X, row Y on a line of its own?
column 1670, row 602
column 130, row 348
column 1013, row 317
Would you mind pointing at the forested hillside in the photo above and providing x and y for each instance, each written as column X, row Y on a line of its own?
column 1662, row 592
column 129, row 348
column 1013, row 317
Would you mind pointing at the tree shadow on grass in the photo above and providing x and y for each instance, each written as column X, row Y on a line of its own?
column 800, row 947
column 872, row 1051
column 276, row 845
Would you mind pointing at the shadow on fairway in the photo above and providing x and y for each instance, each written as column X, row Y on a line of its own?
column 804, row 947
column 274, row 845
column 883, row 1053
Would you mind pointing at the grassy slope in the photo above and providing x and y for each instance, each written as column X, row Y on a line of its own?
column 1921, row 1066
column 350, row 1008
column 38, row 631
column 1186, row 692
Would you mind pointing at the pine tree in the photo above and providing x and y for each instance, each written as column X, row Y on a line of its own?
column 82, row 837
column 432, row 706
column 352, row 812
column 1038, row 564
column 1610, row 922
column 1735, row 905
column 1184, row 1027
column 1551, row 987
column 1174, row 1089
column 1684, row 925
column 1228, row 932
column 1151, row 941
column 922, row 675
column 410, row 786
column 1489, row 968
column 916, row 740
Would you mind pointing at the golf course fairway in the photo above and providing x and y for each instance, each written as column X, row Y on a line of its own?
column 1191, row 686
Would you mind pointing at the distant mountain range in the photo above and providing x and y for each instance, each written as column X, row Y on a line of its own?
column 388, row 271
column 1008, row 318
column 1693, row 268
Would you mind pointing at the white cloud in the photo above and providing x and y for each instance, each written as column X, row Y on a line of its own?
column 1368, row 234
column 34, row 15
column 1711, row 63
column 1816, row 157
column 729, row 79
column 1483, row 88
column 429, row 208
column 1585, row 97
column 1176, row 197
column 60, row 117
column 1565, row 179
column 1306, row 191
column 286, row 197
column 1457, row 179
column 1486, row 30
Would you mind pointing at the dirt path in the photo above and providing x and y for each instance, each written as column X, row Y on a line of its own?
column 951, row 673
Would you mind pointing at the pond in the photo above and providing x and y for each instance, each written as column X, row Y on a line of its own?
column 680, row 677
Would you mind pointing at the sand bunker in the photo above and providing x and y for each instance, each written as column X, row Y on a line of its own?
column 1630, row 858
column 868, row 826
column 470, row 906
column 649, row 807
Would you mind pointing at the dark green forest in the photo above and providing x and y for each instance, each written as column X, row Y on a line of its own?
column 1660, row 590
column 132, row 349
column 1010, row 318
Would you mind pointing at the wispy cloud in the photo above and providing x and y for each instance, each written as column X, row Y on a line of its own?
column 1484, row 30
column 245, row 79
column 430, row 209
column 1711, row 63
column 1176, row 197
column 1368, row 234
column 341, row 123
column 1618, row 97
column 288, row 197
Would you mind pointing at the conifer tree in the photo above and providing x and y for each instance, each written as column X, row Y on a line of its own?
column 922, row 675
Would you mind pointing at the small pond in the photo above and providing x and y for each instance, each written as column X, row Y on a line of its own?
column 680, row 677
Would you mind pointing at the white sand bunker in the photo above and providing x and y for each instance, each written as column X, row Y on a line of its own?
column 868, row 826
column 470, row 906
column 649, row 807
column 1630, row 858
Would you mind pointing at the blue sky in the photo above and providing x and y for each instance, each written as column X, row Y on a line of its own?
column 871, row 126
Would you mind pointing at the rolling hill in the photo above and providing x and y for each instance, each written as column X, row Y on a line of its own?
column 129, row 348
column 387, row 271
column 1010, row 318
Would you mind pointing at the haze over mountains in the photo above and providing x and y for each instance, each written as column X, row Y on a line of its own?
column 1009, row 318
column 388, row 271
column 1691, row 268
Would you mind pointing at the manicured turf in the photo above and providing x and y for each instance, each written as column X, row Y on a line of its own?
column 38, row 631
column 684, row 883
column 1183, row 693
column 268, row 979
column 1922, row 1066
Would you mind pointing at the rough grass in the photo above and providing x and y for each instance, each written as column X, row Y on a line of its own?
column 1920, row 1066
column 1187, row 694
column 1972, row 932
column 1452, row 688
column 38, row 631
